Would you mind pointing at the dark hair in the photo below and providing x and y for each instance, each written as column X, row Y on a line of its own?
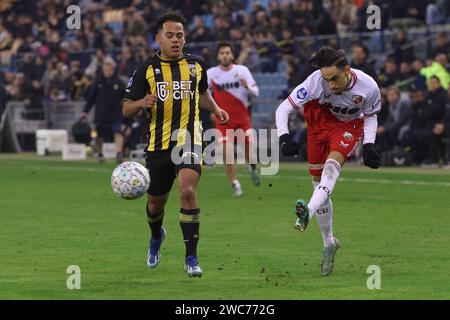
column 170, row 16
column 363, row 47
column 328, row 57
column 435, row 77
column 224, row 44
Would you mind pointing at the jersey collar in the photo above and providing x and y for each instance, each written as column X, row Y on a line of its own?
column 353, row 81
column 158, row 54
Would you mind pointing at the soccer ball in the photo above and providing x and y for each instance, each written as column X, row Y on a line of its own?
column 130, row 180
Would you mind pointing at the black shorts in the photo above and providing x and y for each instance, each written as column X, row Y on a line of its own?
column 163, row 170
column 106, row 130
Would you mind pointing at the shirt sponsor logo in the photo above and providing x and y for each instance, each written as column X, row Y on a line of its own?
column 228, row 85
column 180, row 90
column 343, row 110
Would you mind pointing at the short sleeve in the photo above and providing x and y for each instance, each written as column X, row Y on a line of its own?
column 373, row 103
column 249, row 78
column 137, row 86
column 306, row 91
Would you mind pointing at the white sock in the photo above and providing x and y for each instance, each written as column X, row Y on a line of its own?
column 325, row 220
column 236, row 183
column 323, row 191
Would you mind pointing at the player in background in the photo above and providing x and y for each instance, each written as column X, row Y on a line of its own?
column 340, row 106
column 231, row 86
column 171, row 87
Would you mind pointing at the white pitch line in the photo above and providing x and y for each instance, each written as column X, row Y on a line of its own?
column 357, row 180
column 214, row 174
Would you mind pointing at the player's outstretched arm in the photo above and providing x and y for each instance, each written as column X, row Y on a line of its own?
column 208, row 103
column 288, row 146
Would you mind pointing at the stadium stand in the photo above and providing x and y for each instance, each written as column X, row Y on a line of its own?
column 44, row 64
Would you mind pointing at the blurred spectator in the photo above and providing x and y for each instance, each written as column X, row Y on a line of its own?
column 407, row 13
column 403, row 48
column 344, row 15
column 359, row 59
column 76, row 83
column 221, row 27
column 437, row 68
column 388, row 75
column 442, row 45
column 249, row 56
column 34, row 95
column 399, row 113
column 6, row 38
column 436, row 12
column 425, row 134
column 264, row 45
column 200, row 33
column 285, row 44
column 106, row 94
column 419, row 79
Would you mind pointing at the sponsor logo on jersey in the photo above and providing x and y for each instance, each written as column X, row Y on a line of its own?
column 228, row 85
column 348, row 136
column 343, row 110
column 181, row 90
column 157, row 71
column 302, row 94
column 357, row 99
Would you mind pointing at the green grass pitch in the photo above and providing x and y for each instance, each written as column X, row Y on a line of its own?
column 55, row 214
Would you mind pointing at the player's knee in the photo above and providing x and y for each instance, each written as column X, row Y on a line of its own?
column 154, row 208
column 331, row 169
column 187, row 194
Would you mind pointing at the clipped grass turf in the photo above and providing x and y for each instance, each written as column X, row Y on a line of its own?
column 55, row 214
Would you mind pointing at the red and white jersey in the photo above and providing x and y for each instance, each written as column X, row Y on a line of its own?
column 227, row 89
column 361, row 98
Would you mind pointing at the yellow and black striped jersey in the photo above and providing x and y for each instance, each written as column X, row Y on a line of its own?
column 177, row 85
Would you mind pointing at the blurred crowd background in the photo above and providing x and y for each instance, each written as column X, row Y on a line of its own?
column 42, row 61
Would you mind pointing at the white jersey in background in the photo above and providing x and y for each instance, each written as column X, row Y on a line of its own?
column 227, row 89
